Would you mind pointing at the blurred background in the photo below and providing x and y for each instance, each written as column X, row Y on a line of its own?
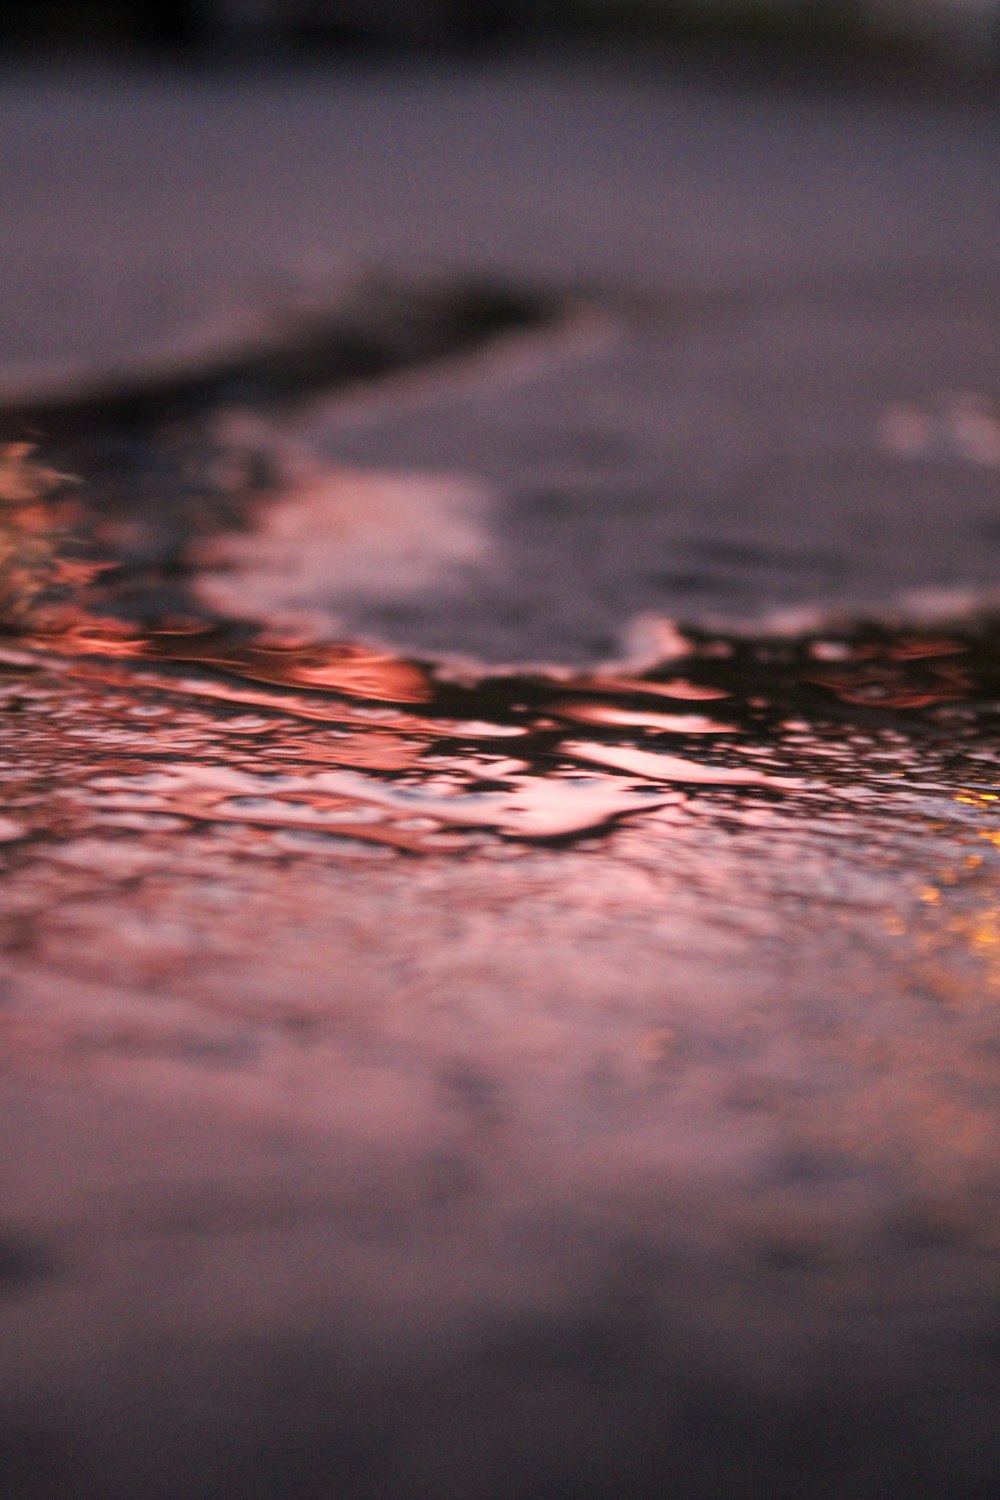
column 956, row 30
column 801, row 194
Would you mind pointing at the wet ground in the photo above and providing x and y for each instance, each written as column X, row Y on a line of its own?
column 499, row 930
column 429, row 1079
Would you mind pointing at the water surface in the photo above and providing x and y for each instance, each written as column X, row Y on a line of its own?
column 621, row 1034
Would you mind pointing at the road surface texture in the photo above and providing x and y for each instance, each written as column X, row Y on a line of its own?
column 499, row 937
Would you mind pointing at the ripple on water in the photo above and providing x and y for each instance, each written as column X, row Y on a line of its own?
column 187, row 724
column 346, row 736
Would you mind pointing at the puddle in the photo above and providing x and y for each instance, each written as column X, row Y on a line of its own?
column 336, row 532
column 193, row 723
column 208, row 790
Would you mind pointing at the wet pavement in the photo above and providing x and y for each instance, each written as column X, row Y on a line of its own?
column 499, row 929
